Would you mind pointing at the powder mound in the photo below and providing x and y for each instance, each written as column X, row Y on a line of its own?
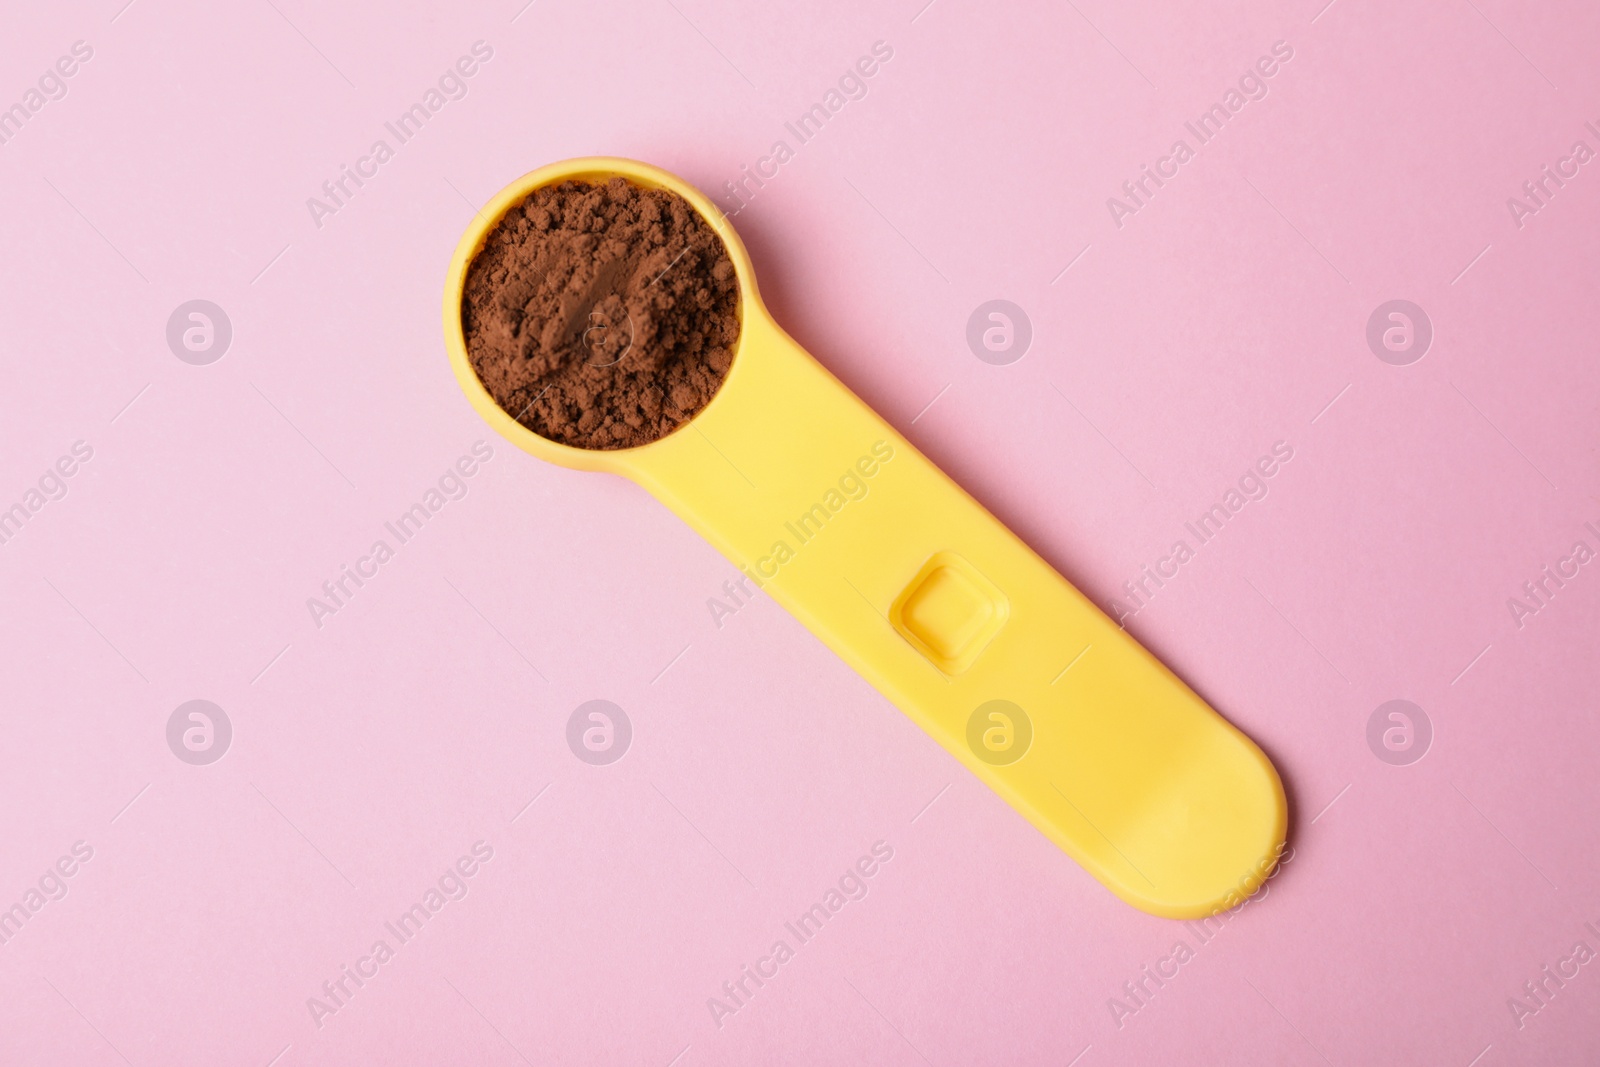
column 601, row 316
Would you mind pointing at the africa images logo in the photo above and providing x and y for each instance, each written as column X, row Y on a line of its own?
column 999, row 733
column 199, row 732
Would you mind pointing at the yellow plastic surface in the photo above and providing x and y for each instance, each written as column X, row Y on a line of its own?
column 937, row 604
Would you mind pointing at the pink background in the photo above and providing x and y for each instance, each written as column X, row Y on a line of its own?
column 368, row 755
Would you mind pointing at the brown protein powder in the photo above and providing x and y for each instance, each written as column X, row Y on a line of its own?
column 601, row 316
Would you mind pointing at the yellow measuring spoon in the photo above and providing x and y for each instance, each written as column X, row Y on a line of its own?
column 936, row 603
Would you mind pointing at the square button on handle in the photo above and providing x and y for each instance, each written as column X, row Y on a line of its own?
column 949, row 612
